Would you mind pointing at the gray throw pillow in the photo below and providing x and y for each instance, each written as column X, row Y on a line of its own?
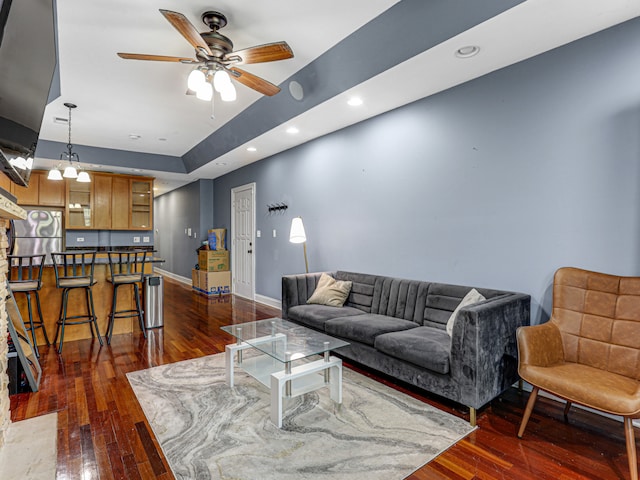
column 330, row 291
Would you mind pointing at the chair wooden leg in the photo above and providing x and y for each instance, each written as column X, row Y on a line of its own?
column 527, row 411
column 631, row 448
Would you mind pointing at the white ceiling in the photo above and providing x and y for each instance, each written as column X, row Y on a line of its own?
column 117, row 97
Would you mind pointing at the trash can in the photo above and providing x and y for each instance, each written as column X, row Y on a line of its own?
column 153, row 301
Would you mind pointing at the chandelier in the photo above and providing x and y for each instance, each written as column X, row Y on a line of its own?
column 70, row 170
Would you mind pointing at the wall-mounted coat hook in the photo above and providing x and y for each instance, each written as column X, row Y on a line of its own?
column 277, row 207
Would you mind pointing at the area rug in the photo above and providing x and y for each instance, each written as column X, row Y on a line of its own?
column 208, row 430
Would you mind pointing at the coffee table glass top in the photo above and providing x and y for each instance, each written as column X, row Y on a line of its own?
column 290, row 341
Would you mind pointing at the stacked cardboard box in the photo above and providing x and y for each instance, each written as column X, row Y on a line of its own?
column 212, row 277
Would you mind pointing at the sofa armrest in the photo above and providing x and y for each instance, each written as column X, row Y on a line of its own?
column 540, row 345
column 297, row 289
column 484, row 355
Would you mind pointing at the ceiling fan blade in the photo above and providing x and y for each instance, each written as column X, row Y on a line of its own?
column 157, row 58
column 270, row 52
column 255, row 82
column 187, row 30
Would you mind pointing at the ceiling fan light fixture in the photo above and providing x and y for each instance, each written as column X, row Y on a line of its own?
column 221, row 80
column 195, row 79
column 205, row 92
column 228, row 94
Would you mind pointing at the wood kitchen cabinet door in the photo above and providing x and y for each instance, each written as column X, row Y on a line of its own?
column 102, row 192
column 120, row 208
column 51, row 192
column 27, row 195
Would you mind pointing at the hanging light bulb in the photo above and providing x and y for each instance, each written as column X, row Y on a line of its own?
column 205, row 92
column 195, row 80
column 83, row 177
column 228, row 93
column 221, row 80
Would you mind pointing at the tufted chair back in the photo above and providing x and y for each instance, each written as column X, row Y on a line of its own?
column 598, row 316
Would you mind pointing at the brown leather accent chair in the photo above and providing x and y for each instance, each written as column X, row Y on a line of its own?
column 589, row 351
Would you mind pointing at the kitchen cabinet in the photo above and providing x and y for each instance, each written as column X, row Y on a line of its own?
column 27, row 195
column 120, row 198
column 79, row 206
column 141, row 204
column 102, row 192
column 50, row 193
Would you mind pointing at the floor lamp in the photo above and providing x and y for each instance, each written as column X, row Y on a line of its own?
column 297, row 235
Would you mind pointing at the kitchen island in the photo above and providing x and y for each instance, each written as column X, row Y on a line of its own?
column 51, row 299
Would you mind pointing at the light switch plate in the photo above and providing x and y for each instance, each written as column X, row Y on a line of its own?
column 274, row 233
column 189, row 232
column 258, row 233
column 145, row 239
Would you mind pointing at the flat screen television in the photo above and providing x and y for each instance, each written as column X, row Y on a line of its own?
column 27, row 64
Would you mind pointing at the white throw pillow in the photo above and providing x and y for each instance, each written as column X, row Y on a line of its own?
column 470, row 298
column 330, row 291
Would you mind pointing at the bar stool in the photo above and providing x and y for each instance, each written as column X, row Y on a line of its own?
column 74, row 270
column 25, row 276
column 126, row 268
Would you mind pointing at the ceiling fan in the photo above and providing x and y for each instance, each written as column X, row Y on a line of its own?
column 215, row 59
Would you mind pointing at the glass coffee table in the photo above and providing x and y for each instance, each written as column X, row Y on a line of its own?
column 281, row 344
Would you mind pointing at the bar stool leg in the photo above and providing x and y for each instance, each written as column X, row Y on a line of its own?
column 32, row 327
column 136, row 291
column 63, row 319
column 112, row 315
column 94, row 319
column 44, row 330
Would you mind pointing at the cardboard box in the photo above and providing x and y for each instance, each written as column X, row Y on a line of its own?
column 216, row 237
column 211, row 283
column 213, row 260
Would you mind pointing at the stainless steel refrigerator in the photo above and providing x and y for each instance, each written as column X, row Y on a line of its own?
column 41, row 232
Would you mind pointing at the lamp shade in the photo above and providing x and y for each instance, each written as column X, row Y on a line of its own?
column 205, row 92
column 83, row 177
column 228, row 94
column 54, row 174
column 221, row 80
column 297, row 234
column 70, row 172
column 195, row 79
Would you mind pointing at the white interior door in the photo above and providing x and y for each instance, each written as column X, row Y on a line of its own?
column 243, row 241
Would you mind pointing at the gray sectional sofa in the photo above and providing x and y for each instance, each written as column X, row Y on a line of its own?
column 397, row 327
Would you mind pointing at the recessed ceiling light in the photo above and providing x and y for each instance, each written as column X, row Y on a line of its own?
column 292, row 130
column 467, row 51
column 355, row 101
column 296, row 90
column 252, row 149
column 134, row 136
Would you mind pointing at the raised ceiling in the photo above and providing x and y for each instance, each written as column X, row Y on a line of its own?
column 388, row 53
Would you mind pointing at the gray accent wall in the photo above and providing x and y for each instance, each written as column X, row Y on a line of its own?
column 494, row 183
column 186, row 207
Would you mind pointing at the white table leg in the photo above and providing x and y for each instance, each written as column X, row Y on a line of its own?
column 276, row 401
column 228, row 363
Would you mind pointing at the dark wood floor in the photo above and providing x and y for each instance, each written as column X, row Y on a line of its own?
column 103, row 434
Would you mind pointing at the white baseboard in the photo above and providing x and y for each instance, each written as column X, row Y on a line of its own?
column 178, row 278
column 272, row 302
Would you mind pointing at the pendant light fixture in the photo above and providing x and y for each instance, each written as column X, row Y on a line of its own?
column 70, row 170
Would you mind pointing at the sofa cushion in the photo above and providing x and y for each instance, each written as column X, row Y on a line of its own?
column 330, row 292
column 315, row 316
column 426, row 347
column 365, row 328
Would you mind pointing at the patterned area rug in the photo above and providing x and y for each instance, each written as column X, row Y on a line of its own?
column 210, row 431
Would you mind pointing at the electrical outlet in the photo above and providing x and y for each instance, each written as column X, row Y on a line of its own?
column 80, row 239
column 274, row 233
column 258, row 233
column 145, row 239
column 136, row 239
column 195, row 235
